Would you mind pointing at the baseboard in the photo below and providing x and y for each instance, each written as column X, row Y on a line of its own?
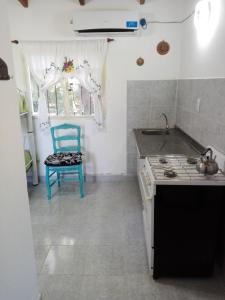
column 102, row 178
column 109, row 178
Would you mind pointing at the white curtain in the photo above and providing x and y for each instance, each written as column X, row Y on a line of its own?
column 46, row 59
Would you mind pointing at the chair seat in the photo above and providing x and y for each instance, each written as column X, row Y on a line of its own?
column 64, row 159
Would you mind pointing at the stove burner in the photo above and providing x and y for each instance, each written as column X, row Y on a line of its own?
column 163, row 160
column 170, row 173
column 192, row 160
column 177, row 170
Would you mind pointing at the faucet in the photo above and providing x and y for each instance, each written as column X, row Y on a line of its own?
column 166, row 119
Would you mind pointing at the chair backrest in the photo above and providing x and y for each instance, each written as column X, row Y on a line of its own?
column 58, row 138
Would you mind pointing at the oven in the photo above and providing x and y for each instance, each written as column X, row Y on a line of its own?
column 147, row 188
column 181, row 216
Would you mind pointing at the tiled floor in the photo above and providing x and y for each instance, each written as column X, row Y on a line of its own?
column 94, row 248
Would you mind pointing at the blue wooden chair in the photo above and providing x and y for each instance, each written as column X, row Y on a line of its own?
column 58, row 170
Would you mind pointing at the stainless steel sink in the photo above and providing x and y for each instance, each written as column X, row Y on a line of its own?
column 155, row 131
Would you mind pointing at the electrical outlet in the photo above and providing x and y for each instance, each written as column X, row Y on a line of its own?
column 198, row 104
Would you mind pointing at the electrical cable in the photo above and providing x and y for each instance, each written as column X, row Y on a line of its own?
column 173, row 22
column 145, row 23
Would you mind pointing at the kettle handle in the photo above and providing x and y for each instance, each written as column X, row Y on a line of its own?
column 208, row 150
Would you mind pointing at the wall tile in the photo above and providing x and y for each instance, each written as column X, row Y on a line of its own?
column 146, row 100
column 163, row 92
column 208, row 125
column 131, row 163
column 184, row 93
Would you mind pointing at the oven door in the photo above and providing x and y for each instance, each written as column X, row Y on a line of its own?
column 145, row 185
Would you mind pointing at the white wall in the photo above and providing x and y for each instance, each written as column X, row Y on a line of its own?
column 17, row 271
column 49, row 20
column 198, row 61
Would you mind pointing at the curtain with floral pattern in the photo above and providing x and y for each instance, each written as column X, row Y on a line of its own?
column 48, row 62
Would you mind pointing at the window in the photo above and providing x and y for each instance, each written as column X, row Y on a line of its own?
column 66, row 98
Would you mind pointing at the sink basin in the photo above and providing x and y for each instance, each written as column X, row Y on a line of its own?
column 155, row 131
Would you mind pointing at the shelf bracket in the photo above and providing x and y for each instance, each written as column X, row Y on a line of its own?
column 24, row 3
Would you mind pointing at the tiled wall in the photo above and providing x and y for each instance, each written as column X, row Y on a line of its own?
column 146, row 100
column 208, row 125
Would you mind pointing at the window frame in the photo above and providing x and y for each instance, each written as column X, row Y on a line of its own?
column 53, row 115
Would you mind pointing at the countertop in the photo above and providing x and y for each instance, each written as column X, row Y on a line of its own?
column 177, row 142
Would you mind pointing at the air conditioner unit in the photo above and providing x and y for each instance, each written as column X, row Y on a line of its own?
column 106, row 23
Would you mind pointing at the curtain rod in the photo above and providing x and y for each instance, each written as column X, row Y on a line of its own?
column 17, row 42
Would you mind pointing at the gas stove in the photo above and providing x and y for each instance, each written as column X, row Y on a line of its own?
column 178, row 169
column 176, row 198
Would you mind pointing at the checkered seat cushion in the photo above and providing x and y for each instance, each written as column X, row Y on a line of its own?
column 64, row 159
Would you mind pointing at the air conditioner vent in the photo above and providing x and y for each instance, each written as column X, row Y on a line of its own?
column 107, row 23
column 104, row 30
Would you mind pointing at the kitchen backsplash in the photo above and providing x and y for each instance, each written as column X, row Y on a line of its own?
column 146, row 100
column 201, row 110
column 197, row 106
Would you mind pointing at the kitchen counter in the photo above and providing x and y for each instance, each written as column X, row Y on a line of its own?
column 177, row 142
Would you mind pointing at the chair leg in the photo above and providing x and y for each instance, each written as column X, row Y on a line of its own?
column 81, row 181
column 47, row 182
column 58, row 179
